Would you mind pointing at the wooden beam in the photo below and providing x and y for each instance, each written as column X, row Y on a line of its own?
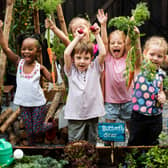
column 37, row 28
column 7, row 24
column 36, row 19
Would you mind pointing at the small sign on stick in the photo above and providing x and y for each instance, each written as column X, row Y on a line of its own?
column 112, row 132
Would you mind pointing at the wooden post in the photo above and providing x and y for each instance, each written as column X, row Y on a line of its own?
column 37, row 27
column 61, row 19
column 7, row 24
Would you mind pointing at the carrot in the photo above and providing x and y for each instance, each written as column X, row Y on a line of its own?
column 50, row 54
column 131, row 77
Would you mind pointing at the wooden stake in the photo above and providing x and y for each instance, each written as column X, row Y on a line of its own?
column 10, row 120
column 7, row 24
column 5, row 114
column 61, row 19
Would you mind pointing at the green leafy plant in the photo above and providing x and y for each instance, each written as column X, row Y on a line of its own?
column 156, row 157
column 149, row 70
column 81, row 154
column 163, row 139
column 49, row 6
column 165, row 83
column 127, row 24
column 58, row 47
column 38, row 161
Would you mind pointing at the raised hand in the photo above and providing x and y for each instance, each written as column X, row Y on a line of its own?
column 49, row 24
column 1, row 24
column 101, row 16
column 95, row 28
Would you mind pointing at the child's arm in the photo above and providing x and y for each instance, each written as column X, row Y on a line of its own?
column 44, row 71
column 3, row 43
column 102, row 50
column 69, row 49
column 102, row 18
column 60, row 34
column 138, row 51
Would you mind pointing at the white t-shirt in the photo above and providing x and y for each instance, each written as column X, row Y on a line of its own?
column 85, row 99
column 29, row 92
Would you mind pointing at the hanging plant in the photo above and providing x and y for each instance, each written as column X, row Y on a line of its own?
column 126, row 24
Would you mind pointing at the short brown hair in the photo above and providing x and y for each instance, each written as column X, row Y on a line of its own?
column 83, row 46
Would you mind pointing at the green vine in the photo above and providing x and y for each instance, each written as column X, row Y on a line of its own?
column 126, row 24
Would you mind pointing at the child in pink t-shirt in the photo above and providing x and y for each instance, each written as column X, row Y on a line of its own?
column 118, row 103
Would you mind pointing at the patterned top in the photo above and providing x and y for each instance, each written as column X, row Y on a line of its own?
column 145, row 93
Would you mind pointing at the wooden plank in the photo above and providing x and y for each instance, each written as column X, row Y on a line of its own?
column 7, row 24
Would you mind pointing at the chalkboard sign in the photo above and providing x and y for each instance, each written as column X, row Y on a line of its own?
column 112, row 132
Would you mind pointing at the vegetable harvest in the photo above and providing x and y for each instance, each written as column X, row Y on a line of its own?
column 49, row 6
column 126, row 24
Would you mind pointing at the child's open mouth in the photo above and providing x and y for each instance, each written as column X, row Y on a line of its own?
column 116, row 52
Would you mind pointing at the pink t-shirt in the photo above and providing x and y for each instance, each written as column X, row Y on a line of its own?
column 115, row 83
column 85, row 99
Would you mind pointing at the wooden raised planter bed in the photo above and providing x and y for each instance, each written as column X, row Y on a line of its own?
column 104, row 153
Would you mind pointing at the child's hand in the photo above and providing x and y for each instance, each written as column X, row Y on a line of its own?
column 161, row 95
column 80, row 33
column 95, row 29
column 136, row 30
column 1, row 24
column 49, row 24
column 102, row 17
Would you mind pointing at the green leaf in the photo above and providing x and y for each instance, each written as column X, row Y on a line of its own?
column 49, row 6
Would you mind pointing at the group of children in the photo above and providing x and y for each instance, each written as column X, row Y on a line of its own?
column 140, row 106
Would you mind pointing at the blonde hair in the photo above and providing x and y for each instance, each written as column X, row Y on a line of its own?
column 85, row 21
column 156, row 40
column 118, row 32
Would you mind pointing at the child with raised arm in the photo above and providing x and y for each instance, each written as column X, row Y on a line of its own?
column 75, row 23
column 148, row 96
column 85, row 101
column 118, row 98
column 29, row 94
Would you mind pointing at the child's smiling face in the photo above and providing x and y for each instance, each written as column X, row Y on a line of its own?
column 155, row 54
column 117, row 45
column 29, row 50
column 82, row 61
